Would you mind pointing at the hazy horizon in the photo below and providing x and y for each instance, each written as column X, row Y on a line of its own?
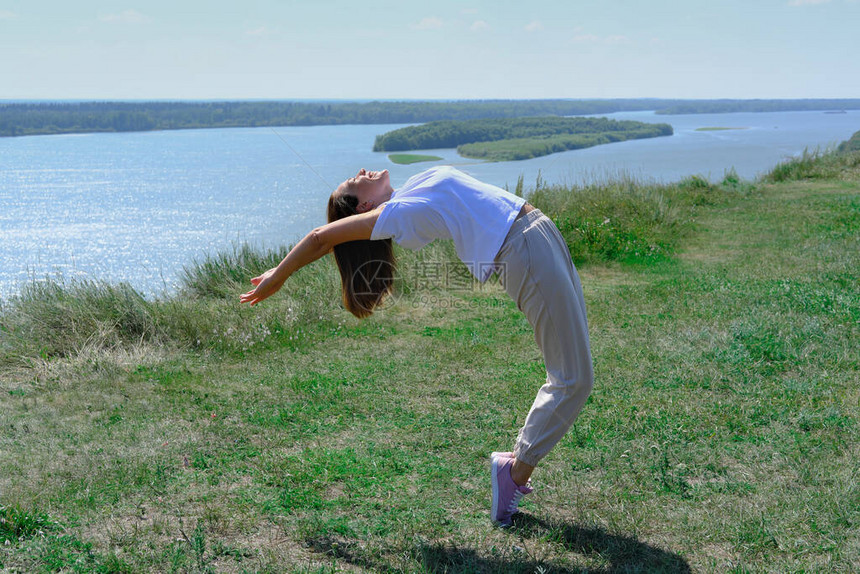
column 337, row 50
column 369, row 100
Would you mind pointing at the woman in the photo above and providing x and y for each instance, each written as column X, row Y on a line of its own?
column 493, row 231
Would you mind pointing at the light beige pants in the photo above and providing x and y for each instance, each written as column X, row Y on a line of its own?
column 536, row 270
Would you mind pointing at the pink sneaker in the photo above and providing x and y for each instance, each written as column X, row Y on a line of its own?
column 506, row 493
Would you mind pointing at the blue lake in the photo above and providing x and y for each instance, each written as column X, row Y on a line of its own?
column 136, row 207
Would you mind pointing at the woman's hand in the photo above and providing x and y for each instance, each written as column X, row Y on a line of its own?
column 313, row 246
column 265, row 285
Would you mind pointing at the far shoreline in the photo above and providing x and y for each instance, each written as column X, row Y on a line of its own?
column 57, row 117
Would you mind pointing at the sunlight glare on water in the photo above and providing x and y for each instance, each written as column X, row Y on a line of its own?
column 136, row 207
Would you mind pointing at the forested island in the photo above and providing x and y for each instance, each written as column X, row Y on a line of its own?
column 516, row 138
column 41, row 118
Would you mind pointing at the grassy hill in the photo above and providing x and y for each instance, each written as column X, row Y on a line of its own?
column 193, row 435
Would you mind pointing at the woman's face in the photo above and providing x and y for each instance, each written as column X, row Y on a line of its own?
column 372, row 188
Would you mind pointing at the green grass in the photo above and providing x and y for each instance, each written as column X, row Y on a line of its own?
column 817, row 164
column 410, row 158
column 191, row 435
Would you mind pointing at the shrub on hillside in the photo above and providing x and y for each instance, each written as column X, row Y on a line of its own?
column 853, row 144
column 829, row 164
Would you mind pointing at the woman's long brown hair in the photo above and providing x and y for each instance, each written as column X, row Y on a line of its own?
column 366, row 267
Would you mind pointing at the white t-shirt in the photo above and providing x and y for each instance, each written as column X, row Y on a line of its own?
column 444, row 203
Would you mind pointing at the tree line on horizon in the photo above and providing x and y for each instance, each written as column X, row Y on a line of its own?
column 57, row 117
column 758, row 106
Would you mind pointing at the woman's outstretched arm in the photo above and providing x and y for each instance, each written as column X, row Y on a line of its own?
column 312, row 246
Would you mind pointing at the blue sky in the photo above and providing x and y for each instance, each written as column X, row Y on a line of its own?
column 138, row 49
